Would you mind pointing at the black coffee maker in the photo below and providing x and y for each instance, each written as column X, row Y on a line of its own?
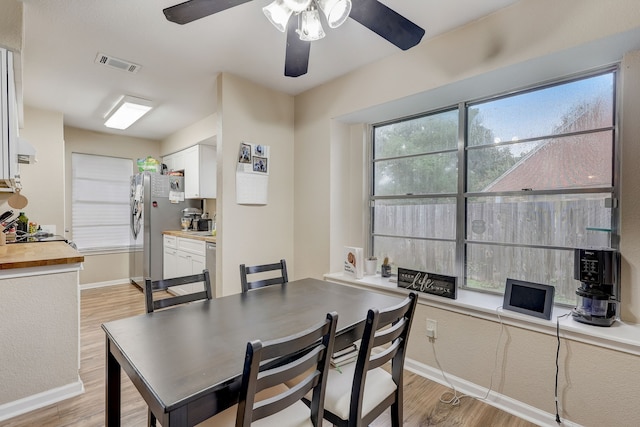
column 597, row 271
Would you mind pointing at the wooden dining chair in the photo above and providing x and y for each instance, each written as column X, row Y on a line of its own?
column 152, row 287
column 152, row 304
column 280, row 279
column 264, row 398
column 359, row 392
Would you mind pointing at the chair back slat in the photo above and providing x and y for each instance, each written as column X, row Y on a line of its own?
column 262, row 268
column 285, row 399
column 271, row 363
column 385, row 327
column 281, row 278
column 292, row 369
column 380, row 358
column 152, row 287
column 389, row 333
column 179, row 299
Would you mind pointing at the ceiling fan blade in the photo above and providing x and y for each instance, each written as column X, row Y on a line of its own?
column 387, row 23
column 189, row 11
column 296, row 61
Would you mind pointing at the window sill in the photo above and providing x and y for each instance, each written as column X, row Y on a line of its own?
column 620, row 336
column 103, row 251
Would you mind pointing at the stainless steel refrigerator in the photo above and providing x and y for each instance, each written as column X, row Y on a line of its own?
column 157, row 202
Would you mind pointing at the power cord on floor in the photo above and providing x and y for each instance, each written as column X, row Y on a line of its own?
column 455, row 397
column 557, row 364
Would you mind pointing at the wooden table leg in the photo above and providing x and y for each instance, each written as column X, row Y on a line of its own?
column 112, row 389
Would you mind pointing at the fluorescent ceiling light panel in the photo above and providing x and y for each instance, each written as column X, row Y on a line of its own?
column 127, row 111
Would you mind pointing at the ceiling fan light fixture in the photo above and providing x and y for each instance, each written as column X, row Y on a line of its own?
column 278, row 14
column 336, row 11
column 310, row 25
column 297, row 5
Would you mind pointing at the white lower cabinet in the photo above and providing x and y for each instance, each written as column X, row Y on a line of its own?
column 170, row 257
column 170, row 263
column 183, row 257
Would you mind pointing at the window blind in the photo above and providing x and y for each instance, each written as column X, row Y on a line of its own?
column 100, row 202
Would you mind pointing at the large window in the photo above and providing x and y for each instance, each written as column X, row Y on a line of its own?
column 100, row 202
column 502, row 187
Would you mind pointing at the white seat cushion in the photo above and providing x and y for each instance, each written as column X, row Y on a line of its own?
column 297, row 415
column 378, row 386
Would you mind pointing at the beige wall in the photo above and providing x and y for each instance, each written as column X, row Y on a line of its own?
column 47, row 183
column 530, row 42
column 43, row 182
column 201, row 132
column 253, row 234
column 316, row 187
column 630, row 190
column 506, row 40
column 108, row 268
column 597, row 386
column 39, row 325
column 11, row 25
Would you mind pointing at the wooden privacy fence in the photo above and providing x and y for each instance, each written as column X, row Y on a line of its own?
column 530, row 238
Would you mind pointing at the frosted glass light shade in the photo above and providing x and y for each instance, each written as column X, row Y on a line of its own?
column 310, row 26
column 297, row 5
column 278, row 14
column 336, row 11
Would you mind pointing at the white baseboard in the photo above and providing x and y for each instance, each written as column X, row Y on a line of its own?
column 505, row 403
column 103, row 284
column 40, row 400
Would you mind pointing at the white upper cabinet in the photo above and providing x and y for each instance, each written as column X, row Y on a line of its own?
column 199, row 166
column 8, row 122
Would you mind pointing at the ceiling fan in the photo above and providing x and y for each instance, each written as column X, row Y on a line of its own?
column 307, row 27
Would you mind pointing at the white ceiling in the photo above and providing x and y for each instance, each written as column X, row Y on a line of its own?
column 179, row 63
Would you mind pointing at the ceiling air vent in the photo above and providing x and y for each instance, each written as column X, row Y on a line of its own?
column 119, row 64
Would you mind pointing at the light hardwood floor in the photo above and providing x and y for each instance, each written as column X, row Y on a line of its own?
column 421, row 408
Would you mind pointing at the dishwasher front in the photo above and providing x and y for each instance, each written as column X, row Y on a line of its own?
column 210, row 264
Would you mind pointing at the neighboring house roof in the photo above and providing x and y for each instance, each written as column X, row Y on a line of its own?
column 575, row 161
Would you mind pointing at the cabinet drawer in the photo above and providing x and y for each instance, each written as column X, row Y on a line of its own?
column 169, row 241
column 196, row 247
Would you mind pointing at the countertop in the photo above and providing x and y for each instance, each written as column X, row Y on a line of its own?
column 196, row 235
column 38, row 254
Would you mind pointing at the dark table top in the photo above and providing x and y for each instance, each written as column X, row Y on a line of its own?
column 184, row 353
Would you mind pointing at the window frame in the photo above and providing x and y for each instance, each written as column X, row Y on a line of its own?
column 462, row 196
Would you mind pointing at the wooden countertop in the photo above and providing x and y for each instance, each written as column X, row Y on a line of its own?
column 37, row 254
column 196, row 235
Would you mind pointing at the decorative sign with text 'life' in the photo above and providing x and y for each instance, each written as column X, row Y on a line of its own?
column 434, row 284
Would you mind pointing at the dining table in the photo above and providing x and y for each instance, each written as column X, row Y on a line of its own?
column 187, row 361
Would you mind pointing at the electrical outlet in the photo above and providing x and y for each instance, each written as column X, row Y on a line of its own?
column 432, row 328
